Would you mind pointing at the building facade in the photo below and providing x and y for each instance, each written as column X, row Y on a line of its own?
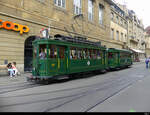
column 118, row 27
column 135, row 34
column 147, row 40
column 147, row 37
column 22, row 20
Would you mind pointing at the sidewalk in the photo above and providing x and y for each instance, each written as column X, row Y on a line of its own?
column 135, row 98
column 138, row 62
column 6, row 80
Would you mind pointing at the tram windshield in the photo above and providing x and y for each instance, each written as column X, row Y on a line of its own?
column 34, row 52
column 43, row 51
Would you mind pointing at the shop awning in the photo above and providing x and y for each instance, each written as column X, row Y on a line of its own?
column 137, row 51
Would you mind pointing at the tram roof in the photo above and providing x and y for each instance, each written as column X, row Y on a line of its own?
column 66, row 43
column 118, row 50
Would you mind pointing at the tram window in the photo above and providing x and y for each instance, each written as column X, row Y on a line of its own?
column 43, row 51
column 91, row 54
column 95, row 54
column 110, row 55
column 84, row 53
column 73, row 54
column 35, row 52
column 62, row 52
column 80, row 54
column 52, row 51
column 98, row 54
column 121, row 55
column 87, row 54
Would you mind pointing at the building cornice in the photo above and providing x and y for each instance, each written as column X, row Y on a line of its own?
column 110, row 2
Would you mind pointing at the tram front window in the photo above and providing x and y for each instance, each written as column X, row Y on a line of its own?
column 34, row 52
column 43, row 51
column 52, row 51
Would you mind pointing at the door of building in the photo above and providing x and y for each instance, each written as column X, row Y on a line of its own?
column 28, row 53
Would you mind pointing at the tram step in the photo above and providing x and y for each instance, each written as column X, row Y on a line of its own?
column 62, row 77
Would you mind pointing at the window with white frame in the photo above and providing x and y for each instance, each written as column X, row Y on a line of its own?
column 117, row 19
column 90, row 10
column 60, row 3
column 112, row 15
column 121, row 22
column 101, row 12
column 77, row 7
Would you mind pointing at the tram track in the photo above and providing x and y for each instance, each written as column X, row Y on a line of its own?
column 73, row 97
column 67, row 89
column 64, row 98
column 26, row 85
column 16, row 87
column 91, row 92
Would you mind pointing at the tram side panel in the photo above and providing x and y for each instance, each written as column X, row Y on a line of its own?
column 84, row 60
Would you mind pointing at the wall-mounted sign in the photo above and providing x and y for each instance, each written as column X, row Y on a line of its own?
column 14, row 26
column 44, row 33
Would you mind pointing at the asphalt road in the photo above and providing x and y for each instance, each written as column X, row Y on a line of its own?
column 77, row 95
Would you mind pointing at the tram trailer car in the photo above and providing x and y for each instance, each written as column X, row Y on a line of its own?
column 65, row 59
column 119, row 58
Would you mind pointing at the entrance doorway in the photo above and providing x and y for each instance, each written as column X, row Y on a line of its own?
column 28, row 51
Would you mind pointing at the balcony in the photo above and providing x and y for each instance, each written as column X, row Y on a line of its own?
column 133, row 39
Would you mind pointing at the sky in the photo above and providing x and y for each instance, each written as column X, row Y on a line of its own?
column 140, row 7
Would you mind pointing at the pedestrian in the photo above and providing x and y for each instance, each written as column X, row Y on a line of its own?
column 147, row 62
column 42, row 54
column 10, row 70
column 15, row 68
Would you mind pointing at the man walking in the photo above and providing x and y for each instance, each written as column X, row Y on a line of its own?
column 147, row 62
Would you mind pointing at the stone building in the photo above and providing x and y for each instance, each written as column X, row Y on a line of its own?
column 147, row 36
column 135, row 34
column 147, row 39
column 22, row 20
column 118, row 27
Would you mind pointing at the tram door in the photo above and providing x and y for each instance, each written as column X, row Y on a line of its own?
column 62, row 59
column 117, row 58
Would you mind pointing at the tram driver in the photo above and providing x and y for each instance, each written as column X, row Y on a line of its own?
column 42, row 55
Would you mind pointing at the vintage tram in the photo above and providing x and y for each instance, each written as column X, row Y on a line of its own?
column 66, row 56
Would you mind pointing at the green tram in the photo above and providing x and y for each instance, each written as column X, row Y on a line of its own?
column 65, row 57
column 119, row 58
